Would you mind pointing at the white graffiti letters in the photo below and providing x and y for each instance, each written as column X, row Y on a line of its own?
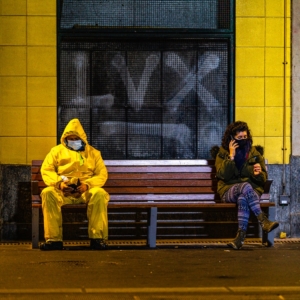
column 135, row 95
column 192, row 79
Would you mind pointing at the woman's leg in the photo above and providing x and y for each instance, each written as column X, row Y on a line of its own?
column 247, row 199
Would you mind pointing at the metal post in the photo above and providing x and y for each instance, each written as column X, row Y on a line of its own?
column 152, row 227
column 35, row 227
column 268, row 238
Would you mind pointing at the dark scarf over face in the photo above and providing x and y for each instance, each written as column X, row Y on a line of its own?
column 242, row 153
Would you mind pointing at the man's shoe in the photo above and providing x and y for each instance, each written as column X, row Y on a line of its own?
column 51, row 245
column 98, row 244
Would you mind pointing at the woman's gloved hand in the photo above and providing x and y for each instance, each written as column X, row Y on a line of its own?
column 257, row 169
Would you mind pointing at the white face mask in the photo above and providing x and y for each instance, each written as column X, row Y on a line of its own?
column 75, row 145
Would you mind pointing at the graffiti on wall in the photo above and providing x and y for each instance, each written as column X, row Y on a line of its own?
column 183, row 121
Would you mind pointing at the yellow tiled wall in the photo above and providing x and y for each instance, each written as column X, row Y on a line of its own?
column 27, row 79
column 260, row 73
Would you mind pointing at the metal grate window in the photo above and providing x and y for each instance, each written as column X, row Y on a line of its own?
column 148, row 99
column 147, row 79
column 157, row 14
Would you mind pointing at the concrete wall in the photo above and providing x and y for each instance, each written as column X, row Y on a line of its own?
column 294, row 216
column 295, row 91
column 15, row 204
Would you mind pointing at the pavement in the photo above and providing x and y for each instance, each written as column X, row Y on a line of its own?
column 174, row 270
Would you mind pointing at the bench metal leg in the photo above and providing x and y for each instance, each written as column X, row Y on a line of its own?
column 35, row 227
column 152, row 227
column 268, row 238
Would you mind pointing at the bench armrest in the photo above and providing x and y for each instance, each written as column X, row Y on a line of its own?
column 35, row 188
column 267, row 186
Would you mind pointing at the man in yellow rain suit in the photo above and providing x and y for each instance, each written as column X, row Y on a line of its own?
column 74, row 172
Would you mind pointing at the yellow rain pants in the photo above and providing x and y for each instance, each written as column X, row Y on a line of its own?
column 96, row 199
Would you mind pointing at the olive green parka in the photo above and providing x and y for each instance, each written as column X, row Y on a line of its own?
column 228, row 174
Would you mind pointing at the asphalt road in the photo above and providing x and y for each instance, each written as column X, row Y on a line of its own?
column 211, row 271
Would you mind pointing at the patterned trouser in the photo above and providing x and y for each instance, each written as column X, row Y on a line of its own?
column 246, row 198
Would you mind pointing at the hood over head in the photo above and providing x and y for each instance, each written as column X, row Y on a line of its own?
column 74, row 127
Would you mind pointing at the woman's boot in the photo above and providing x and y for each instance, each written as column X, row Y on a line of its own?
column 266, row 224
column 238, row 242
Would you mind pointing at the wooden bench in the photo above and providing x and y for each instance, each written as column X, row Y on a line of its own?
column 153, row 185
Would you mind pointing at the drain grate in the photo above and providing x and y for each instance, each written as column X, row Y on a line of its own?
column 162, row 242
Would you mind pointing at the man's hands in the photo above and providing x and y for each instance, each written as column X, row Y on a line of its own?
column 70, row 191
column 82, row 188
column 67, row 190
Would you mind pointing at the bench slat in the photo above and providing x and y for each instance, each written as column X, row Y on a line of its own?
column 155, row 176
column 158, row 176
column 139, row 176
column 150, row 169
column 154, row 190
column 193, row 162
column 176, row 162
column 152, row 197
column 206, row 204
column 150, row 183
column 170, row 197
column 159, row 190
column 160, row 169
column 35, row 170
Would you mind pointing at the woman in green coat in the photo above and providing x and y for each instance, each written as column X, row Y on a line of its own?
column 241, row 174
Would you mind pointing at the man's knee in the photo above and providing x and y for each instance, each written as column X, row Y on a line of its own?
column 99, row 194
column 49, row 193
